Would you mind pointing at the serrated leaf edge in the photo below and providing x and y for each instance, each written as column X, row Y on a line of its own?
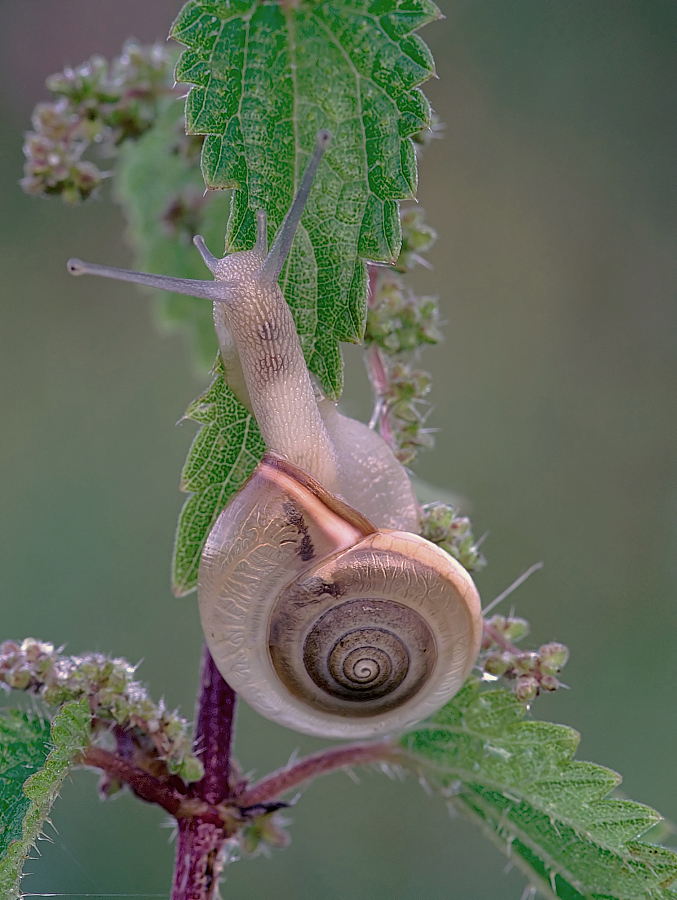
column 70, row 732
column 513, row 793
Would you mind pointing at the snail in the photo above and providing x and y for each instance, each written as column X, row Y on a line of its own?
column 321, row 605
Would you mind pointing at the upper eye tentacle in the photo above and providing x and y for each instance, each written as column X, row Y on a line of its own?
column 271, row 268
column 261, row 231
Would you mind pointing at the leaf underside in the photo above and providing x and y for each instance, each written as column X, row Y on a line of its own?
column 162, row 195
column 223, row 455
column 267, row 76
column 34, row 760
column 552, row 815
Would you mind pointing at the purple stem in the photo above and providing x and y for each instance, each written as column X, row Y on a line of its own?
column 200, row 841
column 144, row 785
column 273, row 786
column 214, row 719
column 211, row 810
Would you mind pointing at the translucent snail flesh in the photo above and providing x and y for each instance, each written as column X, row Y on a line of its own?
column 330, row 621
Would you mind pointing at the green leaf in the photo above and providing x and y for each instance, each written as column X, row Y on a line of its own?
column 267, row 77
column 223, row 455
column 34, row 760
column 24, row 742
column 162, row 193
column 552, row 815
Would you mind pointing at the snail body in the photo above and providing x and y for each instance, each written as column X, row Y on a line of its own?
column 320, row 604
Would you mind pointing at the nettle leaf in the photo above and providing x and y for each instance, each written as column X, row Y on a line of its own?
column 34, row 760
column 552, row 815
column 162, row 193
column 24, row 745
column 267, row 77
column 223, row 455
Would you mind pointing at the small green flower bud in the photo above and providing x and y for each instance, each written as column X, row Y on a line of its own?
column 500, row 623
column 460, row 526
column 8, row 654
column 526, row 662
column 417, row 237
column 498, row 663
column 263, row 831
column 19, row 678
column 554, row 657
column 526, row 688
column 56, row 694
column 549, row 683
column 453, row 534
column 516, row 628
column 191, row 769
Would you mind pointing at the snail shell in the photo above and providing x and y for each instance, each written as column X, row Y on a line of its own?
column 326, row 624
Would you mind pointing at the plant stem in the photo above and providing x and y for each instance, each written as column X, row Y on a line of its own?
column 144, row 785
column 214, row 808
column 273, row 786
column 498, row 638
column 214, row 720
column 200, row 840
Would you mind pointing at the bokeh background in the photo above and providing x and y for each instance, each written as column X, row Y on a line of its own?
column 554, row 196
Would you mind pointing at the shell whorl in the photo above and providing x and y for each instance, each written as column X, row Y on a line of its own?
column 360, row 658
column 325, row 624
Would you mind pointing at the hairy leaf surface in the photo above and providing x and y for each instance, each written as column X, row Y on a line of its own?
column 552, row 815
column 34, row 760
column 267, row 76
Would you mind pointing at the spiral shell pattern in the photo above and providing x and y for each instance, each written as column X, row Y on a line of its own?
column 325, row 624
column 360, row 657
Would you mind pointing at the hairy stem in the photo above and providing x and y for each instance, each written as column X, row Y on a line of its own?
column 274, row 785
column 214, row 808
column 200, row 840
column 377, row 371
column 144, row 785
column 214, row 722
column 163, row 792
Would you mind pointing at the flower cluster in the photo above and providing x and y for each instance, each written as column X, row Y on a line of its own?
column 398, row 324
column 441, row 524
column 115, row 698
column 417, row 237
column 532, row 671
column 93, row 103
column 259, row 834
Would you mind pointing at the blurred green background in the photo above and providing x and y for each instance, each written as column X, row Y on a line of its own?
column 554, row 196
